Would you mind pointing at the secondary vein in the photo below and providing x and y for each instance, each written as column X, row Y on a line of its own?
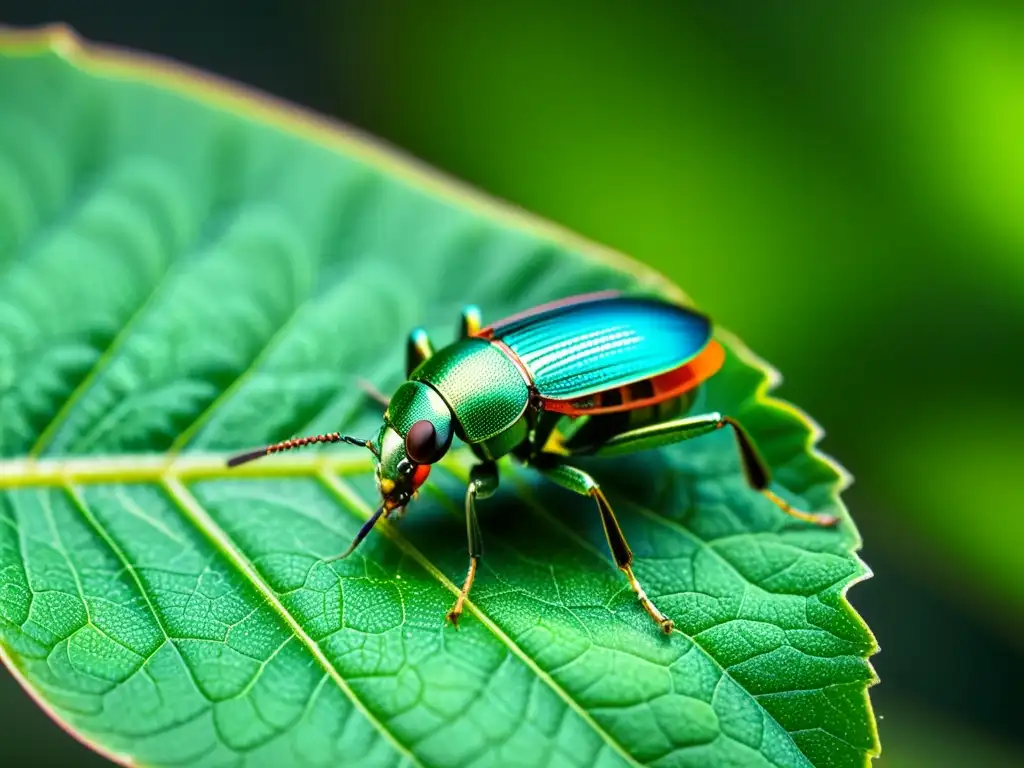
column 198, row 516
column 352, row 501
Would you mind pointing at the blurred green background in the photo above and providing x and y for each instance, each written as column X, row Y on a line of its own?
column 842, row 186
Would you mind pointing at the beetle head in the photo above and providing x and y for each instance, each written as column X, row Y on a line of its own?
column 416, row 433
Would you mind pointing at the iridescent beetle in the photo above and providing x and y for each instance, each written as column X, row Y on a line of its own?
column 629, row 364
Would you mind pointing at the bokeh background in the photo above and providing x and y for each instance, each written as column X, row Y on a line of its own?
column 840, row 184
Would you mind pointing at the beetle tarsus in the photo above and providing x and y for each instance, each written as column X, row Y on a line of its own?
column 664, row 622
column 824, row 520
column 456, row 611
column 580, row 482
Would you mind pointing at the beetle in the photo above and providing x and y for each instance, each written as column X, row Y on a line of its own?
column 599, row 374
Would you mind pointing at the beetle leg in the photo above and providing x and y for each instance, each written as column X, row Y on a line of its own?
column 580, row 482
column 372, row 392
column 483, row 482
column 417, row 349
column 533, row 419
column 542, row 434
column 678, row 430
column 470, row 321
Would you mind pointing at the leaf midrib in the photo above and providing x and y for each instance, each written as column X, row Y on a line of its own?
column 142, row 468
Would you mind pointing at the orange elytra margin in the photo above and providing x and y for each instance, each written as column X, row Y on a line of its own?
column 666, row 386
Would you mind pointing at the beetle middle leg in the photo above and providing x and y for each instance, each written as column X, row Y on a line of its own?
column 677, row 430
column 580, row 482
column 483, row 482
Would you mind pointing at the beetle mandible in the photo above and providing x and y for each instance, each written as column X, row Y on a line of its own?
column 629, row 364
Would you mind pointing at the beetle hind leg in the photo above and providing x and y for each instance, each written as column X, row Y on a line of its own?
column 580, row 482
column 677, row 430
column 759, row 477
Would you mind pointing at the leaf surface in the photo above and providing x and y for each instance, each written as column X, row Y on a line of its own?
column 189, row 270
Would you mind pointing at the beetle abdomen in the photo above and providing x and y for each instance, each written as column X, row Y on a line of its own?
column 597, row 429
column 482, row 386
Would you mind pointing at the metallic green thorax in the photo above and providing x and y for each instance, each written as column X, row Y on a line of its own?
column 482, row 387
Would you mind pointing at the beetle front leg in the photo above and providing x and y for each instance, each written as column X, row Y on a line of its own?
column 580, row 482
column 483, row 482
column 417, row 349
column 678, row 430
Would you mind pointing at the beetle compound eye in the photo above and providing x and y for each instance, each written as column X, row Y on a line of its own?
column 421, row 444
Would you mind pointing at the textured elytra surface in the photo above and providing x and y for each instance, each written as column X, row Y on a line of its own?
column 591, row 347
column 180, row 280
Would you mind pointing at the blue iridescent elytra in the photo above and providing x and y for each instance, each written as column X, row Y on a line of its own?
column 584, row 348
column 602, row 374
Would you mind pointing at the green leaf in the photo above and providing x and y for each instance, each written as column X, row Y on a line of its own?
column 188, row 270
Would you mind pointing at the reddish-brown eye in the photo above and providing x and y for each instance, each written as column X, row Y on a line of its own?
column 421, row 444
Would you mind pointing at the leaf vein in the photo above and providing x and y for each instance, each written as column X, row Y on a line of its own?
column 108, row 354
column 352, row 502
column 196, row 515
column 541, row 512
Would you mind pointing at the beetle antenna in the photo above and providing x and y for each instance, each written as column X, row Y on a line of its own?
column 367, row 527
column 299, row 442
